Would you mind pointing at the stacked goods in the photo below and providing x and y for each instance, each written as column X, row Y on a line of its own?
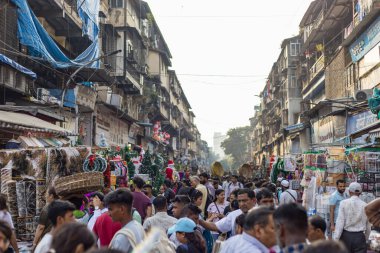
column 40, row 195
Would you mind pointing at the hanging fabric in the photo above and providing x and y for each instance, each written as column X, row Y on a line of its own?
column 33, row 35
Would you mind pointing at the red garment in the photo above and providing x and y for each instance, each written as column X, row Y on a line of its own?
column 169, row 173
column 105, row 229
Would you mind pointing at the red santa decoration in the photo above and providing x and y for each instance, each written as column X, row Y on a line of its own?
column 170, row 170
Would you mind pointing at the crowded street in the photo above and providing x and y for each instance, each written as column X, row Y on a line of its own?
column 189, row 126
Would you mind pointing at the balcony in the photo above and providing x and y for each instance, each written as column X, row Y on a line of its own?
column 318, row 66
column 361, row 20
column 60, row 15
column 164, row 111
column 126, row 17
column 313, row 26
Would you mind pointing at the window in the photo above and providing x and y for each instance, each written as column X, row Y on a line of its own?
column 117, row 3
column 293, row 82
column 295, row 49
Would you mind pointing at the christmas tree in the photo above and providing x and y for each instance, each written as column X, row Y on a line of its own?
column 158, row 170
column 146, row 164
column 128, row 154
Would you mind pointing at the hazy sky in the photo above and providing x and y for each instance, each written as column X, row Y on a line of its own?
column 223, row 51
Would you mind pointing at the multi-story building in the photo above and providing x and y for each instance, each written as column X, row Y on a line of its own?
column 115, row 91
column 280, row 103
column 217, row 144
column 334, row 74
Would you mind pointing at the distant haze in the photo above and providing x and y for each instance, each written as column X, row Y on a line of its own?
column 223, row 51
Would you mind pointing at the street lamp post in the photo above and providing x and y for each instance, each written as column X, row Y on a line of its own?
column 71, row 78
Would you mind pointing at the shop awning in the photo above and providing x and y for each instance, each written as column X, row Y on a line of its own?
column 25, row 122
column 295, row 128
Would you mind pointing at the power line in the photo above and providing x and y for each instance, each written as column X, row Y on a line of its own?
column 228, row 16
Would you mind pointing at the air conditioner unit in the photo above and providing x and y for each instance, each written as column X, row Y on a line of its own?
column 362, row 95
column 8, row 76
column 43, row 94
column 21, row 82
column 117, row 101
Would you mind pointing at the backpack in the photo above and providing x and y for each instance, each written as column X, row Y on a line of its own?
column 128, row 233
column 156, row 242
column 239, row 184
column 209, row 240
column 209, row 200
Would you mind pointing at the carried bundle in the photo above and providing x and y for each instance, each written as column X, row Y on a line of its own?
column 79, row 183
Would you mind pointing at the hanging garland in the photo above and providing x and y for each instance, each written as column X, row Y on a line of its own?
column 94, row 163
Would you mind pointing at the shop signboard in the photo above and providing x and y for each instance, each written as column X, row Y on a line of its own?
column 366, row 41
column 324, row 130
column 329, row 129
column 358, row 122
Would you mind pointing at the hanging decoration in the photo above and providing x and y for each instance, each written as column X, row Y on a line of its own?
column 103, row 141
column 94, row 163
column 159, row 135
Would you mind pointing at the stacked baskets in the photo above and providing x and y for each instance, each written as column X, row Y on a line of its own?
column 79, row 183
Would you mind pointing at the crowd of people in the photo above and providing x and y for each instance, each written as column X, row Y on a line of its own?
column 198, row 214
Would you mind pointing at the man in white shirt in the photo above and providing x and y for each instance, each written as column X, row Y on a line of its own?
column 161, row 219
column 97, row 199
column 196, row 184
column 287, row 195
column 231, row 186
column 352, row 226
column 59, row 213
column 246, row 199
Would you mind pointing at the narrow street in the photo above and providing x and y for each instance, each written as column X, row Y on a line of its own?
column 202, row 126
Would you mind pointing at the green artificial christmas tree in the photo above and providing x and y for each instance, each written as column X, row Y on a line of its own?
column 146, row 164
column 128, row 155
column 158, row 171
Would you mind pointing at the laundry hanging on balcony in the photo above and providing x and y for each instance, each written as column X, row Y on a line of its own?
column 33, row 35
column 88, row 11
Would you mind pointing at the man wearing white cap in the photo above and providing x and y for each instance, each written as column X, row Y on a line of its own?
column 287, row 195
column 352, row 226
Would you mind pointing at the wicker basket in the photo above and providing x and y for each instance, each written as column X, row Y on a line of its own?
column 79, row 183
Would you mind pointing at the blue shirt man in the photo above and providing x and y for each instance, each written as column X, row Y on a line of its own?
column 335, row 200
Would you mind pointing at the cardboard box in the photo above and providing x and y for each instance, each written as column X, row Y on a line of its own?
column 333, row 177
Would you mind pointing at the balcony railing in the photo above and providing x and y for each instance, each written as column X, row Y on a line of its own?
column 318, row 66
column 310, row 28
column 365, row 10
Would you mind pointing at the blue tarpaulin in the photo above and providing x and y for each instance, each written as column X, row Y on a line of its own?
column 88, row 11
column 17, row 66
column 33, row 35
column 70, row 97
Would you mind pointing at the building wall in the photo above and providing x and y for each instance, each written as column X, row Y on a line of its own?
column 334, row 81
column 369, row 75
column 114, row 129
column 154, row 62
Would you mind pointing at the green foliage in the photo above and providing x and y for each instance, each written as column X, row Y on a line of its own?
column 128, row 155
column 236, row 145
column 159, row 171
column 146, row 163
column 155, row 170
